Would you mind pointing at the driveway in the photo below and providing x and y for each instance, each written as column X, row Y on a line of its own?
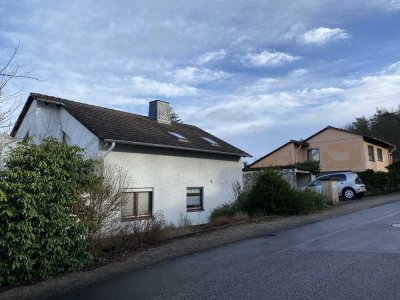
column 354, row 256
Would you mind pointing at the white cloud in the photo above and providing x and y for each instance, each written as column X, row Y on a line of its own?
column 194, row 75
column 144, row 86
column 258, row 107
column 395, row 4
column 211, row 56
column 267, row 59
column 323, row 35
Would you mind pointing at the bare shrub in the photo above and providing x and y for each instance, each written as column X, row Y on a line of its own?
column 102, row 202
column 132, row 236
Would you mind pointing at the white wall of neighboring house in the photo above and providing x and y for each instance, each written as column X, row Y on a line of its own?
column 50, row 120
column 168, row 174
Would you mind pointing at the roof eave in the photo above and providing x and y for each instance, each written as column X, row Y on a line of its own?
column 176, row 147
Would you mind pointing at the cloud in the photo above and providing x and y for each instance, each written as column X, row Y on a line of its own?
column 211, row 57
column 144, row 86
column 193, row 75
column 395, row 4
column 323, row 35
column 262, row 107
column 267, row 59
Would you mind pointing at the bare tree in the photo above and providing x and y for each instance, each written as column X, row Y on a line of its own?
column 10, row 69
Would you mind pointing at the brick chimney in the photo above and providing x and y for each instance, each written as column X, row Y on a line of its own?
column 159, row 111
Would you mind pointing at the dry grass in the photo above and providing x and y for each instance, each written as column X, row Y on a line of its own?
column 225, row 220
column 132, row 236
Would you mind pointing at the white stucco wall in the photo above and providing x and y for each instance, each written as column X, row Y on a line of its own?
column 168, row 175
column 50, row 120
column 6, row 144
column 28, row 123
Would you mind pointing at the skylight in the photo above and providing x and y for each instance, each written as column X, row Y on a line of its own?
column 180, row 137
column 214, row 143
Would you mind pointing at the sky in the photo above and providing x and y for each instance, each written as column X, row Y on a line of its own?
column 254, row 73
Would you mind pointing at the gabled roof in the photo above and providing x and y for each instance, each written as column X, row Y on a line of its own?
column 112, row 125
column 305, row 143
column 294, row 142
column 367, row 138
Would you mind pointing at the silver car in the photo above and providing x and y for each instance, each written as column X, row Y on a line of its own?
column 349, row 184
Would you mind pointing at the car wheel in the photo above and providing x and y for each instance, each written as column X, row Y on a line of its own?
column 360, row 195
column 349, row 194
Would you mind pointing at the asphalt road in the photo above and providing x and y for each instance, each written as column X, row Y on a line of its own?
column 355, row 256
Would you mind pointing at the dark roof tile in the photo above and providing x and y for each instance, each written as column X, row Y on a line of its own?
column 111, row 124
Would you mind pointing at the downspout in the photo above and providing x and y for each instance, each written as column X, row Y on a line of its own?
column 390, row 153
column 109, row 150
column 295, row 154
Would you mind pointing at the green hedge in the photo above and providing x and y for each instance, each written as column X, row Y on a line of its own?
column 271, row 194
column 40, row 233
column 376, row 182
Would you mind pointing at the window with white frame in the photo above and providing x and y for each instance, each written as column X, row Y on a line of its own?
column 136, row 204
column 194, row 198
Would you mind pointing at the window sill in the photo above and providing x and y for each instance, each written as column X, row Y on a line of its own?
column 133, row 218
column 194, row 209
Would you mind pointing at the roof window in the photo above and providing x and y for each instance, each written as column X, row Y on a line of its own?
column 210, row 141
column 180, row 137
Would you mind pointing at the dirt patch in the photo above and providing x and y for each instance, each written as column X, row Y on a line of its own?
column 186, row 245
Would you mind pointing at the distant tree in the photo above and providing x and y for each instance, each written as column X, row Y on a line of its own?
column 360, row 125
column 174, row 116
column 384, row 125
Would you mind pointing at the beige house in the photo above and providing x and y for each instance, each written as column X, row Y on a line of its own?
column 335, row 149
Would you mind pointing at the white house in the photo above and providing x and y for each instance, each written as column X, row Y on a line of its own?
column 6, row 143
column 177, row 169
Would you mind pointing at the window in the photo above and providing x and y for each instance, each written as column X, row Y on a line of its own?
column 210, row 141
column 315, row 183
column 26, row 137
column 313, row 154
column 338, row 177
column 180, row 137
column 379, row 152
column 137, row 204
column 194, row 198
column 371, row 155
column 65, row 138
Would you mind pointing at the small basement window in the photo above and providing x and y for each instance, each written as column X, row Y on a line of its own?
column 194, row 198
column 65, row 138
column 180, row 137
column 26, row 137
column 210, row 141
